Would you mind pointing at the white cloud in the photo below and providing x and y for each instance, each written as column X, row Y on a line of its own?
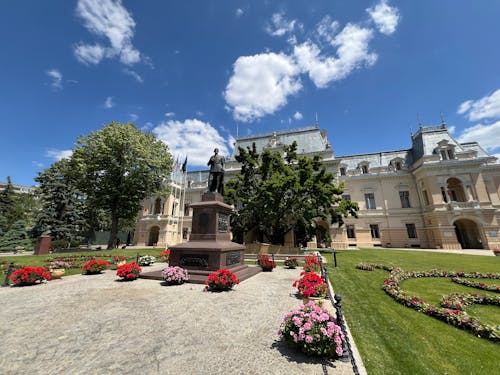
column 239, row 12
column 37, row 164
column 133, row 74
column 386, row 18
column 279, row 25
column 260, row 85
column 498, row 157
column 352, row 45
column 88, row 54
column 464, row 107
column 193, row 138
column 59, row 154
column 56, row 78
column 327, row 28
column 199, row 113
column 484, row 108
column 147, row 126
column 298, row 116
column 231, row 141
column 107, row 19
column 170, row 114
column 109, row 103
column 452, row 129
column 487, row 136
column 133, row 117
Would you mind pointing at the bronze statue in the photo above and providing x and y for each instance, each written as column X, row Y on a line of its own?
column 216, row 177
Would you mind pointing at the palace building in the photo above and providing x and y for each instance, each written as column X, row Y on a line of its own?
column 438, row 193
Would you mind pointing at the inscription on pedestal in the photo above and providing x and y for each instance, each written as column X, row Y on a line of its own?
column 204, row 220
column 223, row 224
column 194, row 260
column 233, row 258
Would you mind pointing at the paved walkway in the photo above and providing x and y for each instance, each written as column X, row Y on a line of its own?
column 96, row 325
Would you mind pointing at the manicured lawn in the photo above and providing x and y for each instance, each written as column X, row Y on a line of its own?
column 394, row 339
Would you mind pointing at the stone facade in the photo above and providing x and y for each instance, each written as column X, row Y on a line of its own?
column 437, row 194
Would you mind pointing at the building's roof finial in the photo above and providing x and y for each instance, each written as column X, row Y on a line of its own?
column 317, row 122
column 418, row 119
column 443, row 123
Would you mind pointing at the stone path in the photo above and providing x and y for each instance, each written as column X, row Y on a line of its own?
column 94, row 324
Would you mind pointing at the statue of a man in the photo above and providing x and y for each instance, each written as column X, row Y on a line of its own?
column 216, row 178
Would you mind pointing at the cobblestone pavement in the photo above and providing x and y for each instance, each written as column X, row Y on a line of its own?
column 97, row 325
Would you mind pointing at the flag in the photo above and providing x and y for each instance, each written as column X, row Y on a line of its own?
column 184, row 165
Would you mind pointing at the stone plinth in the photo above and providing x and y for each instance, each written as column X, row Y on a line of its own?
column 43, row 245
column 209, row 248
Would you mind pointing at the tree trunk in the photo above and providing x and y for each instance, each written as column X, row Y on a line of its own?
column 114, row 231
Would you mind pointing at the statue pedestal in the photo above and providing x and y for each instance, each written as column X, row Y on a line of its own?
column 210, row 248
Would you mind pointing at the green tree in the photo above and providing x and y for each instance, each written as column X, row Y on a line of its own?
column 16, row 236
column 15, row 207
column 117, row 167
column 62, row 210
column 276, row 194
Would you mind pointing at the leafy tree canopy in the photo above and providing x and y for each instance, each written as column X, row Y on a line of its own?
column 277, row 193
column 117, row 167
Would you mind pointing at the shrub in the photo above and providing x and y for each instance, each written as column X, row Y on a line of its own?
column 311, row 285
column 291, row 262
column 175, row 275
column 94, row 266
column 221, row 280
column 29, row 276
column 265, row 262
column 313, row 331
column 129, row 271
column 146, row 260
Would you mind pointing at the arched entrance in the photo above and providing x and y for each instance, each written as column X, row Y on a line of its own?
column 468, row 234
column 154, row 234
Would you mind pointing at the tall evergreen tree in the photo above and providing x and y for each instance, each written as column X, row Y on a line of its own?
column 16, row 236
column 6, row 203
column 276, row 194
column 61, row 214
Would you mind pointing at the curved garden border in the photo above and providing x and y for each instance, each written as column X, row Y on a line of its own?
column 454, row 315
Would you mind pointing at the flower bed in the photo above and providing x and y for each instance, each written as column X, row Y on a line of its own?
column 146, row 260
column 129, row 271
column 30, row 276
column 311, row 264
column 59, row 264
column 311, row 285
column 476, row 284
column 94, row 266
column 313, row 331
column 175, row 275
column 222, row 280
column 454, row 315
column 265, row 262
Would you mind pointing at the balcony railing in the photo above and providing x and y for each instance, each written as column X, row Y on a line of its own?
column 472, row 205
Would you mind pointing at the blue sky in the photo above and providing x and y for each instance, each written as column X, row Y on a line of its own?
column 197, row 72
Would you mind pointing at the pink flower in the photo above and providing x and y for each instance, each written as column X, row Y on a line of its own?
column 309, row 339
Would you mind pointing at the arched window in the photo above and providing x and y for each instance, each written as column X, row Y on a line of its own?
column 456, row 190
column 157, row 206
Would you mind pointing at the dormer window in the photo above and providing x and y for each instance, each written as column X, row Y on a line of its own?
column 342, row 171
column 364, row 169
column 445, row 150
column 397, row 165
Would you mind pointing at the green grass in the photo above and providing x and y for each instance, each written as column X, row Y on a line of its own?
column 41, row 260
column 394, row 339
